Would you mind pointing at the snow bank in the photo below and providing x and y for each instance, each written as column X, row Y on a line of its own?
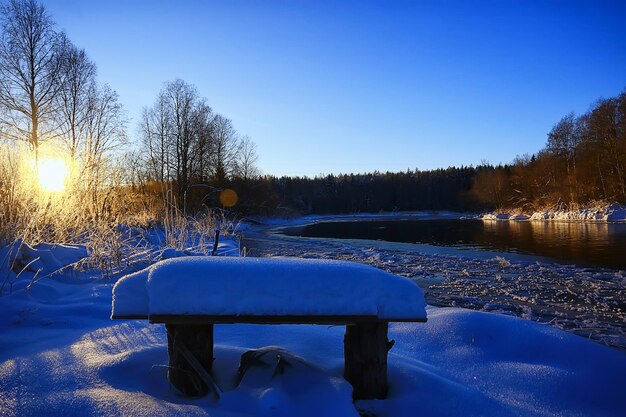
column 519, row 217
column 45, row 258
column 228, row 247
column 495, row 216
column 267, row 286
column 504, row 216
column 464, row 362
column 610, row 213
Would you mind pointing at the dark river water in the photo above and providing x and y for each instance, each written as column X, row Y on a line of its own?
column 584, row 244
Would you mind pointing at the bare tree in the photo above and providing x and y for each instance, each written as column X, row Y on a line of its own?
column 105, row 132
column 224, row 148
column 563, row 141
column 30, row 72
column 246, row 160
column 605, row 132
column 203, row 117
column 182, row 136
column 106, row 124
column 74, row 97
column 155, row 131
column 181, row 99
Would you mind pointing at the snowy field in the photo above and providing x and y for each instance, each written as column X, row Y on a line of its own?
column 61, row 355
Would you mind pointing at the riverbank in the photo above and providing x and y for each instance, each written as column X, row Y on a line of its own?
column 606, row 213
column 586, row 301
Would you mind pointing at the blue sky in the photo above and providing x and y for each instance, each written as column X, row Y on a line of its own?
column 336, row 87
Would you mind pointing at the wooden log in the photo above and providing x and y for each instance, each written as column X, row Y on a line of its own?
column 196, row 340
column 365, row 355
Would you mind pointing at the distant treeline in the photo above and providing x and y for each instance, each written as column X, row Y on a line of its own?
column 411, row 190
column 583, row 163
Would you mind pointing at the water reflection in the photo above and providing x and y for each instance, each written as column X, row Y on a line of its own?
column 581, row 243
column 597, row 243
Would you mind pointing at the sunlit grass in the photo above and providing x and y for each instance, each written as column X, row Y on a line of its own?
column 52, row 174
column 60, row 202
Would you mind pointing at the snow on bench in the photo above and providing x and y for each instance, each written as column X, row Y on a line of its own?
column 273, row 287
column 192, row 294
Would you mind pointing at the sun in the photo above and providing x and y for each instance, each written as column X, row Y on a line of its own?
column 52, row 174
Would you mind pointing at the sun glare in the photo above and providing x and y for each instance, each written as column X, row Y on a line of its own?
column 52, row 174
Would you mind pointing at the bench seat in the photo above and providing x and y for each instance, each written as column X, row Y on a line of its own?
column 239, row 289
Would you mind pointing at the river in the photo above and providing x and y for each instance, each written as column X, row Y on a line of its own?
column 583, row 244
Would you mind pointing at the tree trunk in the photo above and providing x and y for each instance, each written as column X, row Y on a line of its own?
column 365, row 355
column 197, row 340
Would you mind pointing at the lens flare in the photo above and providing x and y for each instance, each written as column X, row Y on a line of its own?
column 228, row 198
column 52, row 174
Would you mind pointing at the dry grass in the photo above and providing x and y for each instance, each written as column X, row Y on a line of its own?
column 109, row 217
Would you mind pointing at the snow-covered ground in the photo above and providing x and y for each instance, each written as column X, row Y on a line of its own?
column 60, row 354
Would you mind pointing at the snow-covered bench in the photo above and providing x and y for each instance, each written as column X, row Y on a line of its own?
column 190, row 295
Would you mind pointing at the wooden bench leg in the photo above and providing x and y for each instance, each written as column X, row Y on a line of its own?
column 184, row 339
column 365, row 356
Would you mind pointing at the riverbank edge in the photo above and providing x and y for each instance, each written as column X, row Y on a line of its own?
column 603, row 214
column 395, row 215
